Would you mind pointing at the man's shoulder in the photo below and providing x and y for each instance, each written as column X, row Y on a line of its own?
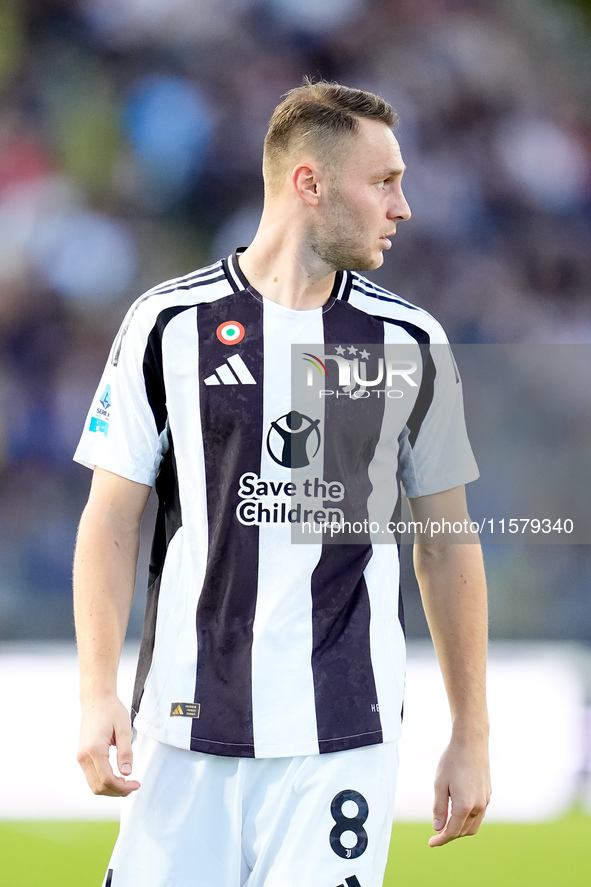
column 367, row 296
column 200, row 277
column 200, row 285
column 203, row 285
column 155, row 307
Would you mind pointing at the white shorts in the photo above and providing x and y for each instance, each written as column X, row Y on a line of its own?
column 206, row 821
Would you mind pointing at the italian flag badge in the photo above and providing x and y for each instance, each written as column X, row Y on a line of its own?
column 230, row 333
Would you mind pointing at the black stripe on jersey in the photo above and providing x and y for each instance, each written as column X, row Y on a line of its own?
column 168, row 521
column 425, row 395
column 341, row 655
column 109, row 878
column 153, row 368
column 232, row 441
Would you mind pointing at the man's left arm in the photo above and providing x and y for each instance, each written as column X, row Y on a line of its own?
column 450, row 574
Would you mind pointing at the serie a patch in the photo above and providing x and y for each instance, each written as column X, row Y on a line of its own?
column 185, row 710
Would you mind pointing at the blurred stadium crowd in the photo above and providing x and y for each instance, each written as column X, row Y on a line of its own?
column 130, row 145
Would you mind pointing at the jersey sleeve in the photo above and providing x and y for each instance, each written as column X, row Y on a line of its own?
column 120, row 433
column 436, row 454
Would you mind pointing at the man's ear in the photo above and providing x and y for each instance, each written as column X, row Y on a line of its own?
column 306, row 183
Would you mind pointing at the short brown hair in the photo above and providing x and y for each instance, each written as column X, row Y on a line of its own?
column 317, row 116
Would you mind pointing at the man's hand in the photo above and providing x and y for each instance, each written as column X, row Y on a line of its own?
column 106, row 724
column 463, row 777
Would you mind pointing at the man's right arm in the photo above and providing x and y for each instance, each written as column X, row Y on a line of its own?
column 105, row 565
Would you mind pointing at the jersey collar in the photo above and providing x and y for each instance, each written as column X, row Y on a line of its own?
column 341, row 288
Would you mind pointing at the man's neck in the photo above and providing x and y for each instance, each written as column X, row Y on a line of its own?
column 281, row 270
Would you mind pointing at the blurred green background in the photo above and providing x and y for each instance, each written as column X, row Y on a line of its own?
column 75, row 854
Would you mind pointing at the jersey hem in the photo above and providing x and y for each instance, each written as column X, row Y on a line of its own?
column 222, row 749
column 121, row 471
column 326, row 746
column 245, row 750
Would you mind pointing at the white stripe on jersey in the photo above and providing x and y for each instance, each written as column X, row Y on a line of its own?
column 282, row 643
column 186, row 557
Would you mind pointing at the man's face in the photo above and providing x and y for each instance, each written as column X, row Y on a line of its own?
column 363, row 201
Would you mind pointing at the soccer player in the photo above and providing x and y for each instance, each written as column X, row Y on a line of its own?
column 268, row 698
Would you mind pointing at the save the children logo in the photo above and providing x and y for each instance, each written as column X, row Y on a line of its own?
column 293, row 440
column 310, row 502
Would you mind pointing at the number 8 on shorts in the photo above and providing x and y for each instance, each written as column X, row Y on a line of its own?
column 349, row 824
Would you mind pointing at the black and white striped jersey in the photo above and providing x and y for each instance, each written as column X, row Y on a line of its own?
column 262, row 427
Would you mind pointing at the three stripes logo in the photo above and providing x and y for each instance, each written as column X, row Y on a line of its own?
column 233, row 372
column 185, row 710
column 350, row 882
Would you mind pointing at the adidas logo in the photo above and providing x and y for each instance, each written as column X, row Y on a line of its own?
column 185, row 710
column 223, row 375
column 350, row 882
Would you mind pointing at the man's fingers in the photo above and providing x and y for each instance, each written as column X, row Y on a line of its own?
column 124, row 752
column 461, row 824
column 440, row 806
column 452, row 830
column 108, row 783
column 474, row 820
column 100, row 777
